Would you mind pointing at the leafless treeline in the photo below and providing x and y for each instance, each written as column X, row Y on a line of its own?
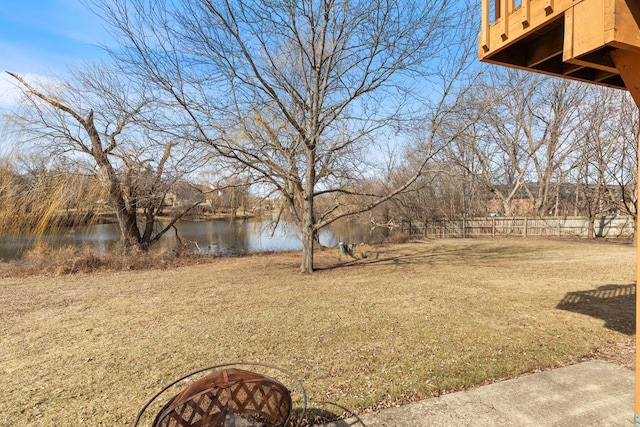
column 330, row 109
column 533, row 145
column 518, row 144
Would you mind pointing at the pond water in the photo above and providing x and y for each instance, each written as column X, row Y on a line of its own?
column 221, row 238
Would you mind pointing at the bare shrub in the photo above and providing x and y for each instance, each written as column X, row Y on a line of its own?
column 398, row 238
column 45, row 260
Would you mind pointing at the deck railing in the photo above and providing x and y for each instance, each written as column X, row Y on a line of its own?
column 499, row 12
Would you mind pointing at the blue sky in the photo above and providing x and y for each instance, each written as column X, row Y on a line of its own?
column 40, row 38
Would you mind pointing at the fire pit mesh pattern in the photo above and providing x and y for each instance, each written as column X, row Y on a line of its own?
column 231, row 396
column 227, row 397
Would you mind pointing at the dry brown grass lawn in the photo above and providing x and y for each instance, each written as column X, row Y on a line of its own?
column 406, row 322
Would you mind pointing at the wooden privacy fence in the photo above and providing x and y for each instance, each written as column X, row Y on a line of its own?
column 618, row 226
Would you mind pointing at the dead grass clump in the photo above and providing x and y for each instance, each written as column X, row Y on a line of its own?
column 397, row 238
column 84, row 262
column 45, row 260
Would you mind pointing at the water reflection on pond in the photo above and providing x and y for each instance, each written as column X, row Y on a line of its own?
column 222, row 238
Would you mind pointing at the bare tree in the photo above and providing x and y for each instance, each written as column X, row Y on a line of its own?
column 112, row 123
column 458, row 167
column 605, row 160
column 623, row 172
column 297, row 92
column 523, row 130
column 553, row 138
column 500, row 120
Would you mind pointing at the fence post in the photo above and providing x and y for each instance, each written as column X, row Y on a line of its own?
column 493, row 227
column 526, row 220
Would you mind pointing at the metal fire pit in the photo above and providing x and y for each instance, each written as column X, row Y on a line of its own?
column 227, row 397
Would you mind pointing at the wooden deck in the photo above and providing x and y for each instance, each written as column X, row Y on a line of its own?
column 576, row 39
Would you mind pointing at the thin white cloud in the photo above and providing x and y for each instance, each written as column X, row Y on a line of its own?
column 10, row 98
column 10, row 92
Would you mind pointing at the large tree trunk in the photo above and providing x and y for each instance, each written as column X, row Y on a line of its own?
column 127, row 218
column 307, row 241
column 506, row 207
column 308, row 219
column 129, row 232
column 591, row 231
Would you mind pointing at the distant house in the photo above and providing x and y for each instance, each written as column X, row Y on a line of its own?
column 564, row 200
column 170, row 199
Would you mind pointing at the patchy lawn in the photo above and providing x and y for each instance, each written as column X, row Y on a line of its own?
column 395, row 324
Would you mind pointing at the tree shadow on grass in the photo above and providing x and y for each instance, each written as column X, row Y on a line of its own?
column 615, row 304
column 472, row 254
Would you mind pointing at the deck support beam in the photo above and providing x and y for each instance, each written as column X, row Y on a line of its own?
column 628, row 64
